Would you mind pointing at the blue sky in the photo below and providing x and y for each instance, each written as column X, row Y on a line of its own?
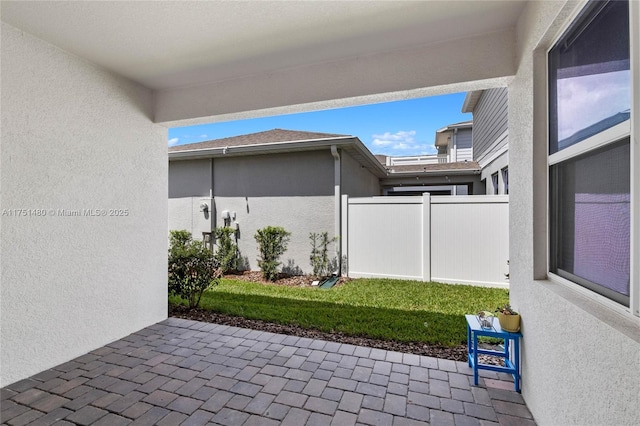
column 391, row 128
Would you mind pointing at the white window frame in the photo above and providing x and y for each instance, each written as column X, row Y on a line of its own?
column 629, row 128
column 505, row 182
column 495, row 182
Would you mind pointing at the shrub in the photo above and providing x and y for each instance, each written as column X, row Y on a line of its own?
column 179, row 238
column 192, row 268
column 272, row 243
column 319, row 253
column 227, row 255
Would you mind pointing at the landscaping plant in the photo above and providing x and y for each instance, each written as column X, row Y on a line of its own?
column 319, row 253
column 192, row 268
column 272, row 243
column 506, row 309
column 227, row 254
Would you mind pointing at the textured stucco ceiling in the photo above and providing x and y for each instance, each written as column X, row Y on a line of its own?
column 169, row 44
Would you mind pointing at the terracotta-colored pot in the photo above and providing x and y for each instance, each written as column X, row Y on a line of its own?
column 510, row 323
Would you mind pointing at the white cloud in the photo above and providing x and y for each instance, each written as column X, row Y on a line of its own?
column 174, row 141
column 585, row 100
column 204, row 135
column 388, row 138
column 402, row 142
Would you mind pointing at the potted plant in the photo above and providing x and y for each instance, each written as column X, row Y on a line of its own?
column 508, row 318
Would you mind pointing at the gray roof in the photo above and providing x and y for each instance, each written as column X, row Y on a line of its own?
column 381, row 158
column 280, row 140
column 259, row 138
column 462, row 124
column 277, row 141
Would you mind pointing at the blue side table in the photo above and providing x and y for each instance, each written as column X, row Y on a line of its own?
column 512, row 364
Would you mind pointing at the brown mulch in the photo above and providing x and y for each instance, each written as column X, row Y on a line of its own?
column 454, row 353
column 283, row 279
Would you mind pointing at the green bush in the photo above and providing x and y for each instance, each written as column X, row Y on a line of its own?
column 192, row 268
column 227, row 254
column 320, row 253
column 272, row 243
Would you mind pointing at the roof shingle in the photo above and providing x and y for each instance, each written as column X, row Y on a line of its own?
column 259, row 138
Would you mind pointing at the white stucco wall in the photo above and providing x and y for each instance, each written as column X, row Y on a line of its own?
column 190, row 178
column 298, row 215
column 580, row 359
column 189, row 186
column 357, row 181
column 76, row 137
column 348, row 82
column 185, row 213
column 292, row 190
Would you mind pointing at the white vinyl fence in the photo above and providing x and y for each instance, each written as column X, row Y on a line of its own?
column 453, row 239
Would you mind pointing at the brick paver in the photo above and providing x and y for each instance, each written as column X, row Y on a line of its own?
column 192, row 373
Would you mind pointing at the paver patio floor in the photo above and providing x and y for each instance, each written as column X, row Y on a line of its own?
column 182, row 372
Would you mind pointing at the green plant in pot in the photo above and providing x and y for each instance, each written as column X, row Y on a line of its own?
column 508, row 318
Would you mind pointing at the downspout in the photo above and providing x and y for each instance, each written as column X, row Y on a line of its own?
column 337, row 203
column 212, row 212
column 454, row 142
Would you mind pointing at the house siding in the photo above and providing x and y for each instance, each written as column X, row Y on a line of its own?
column 464, row 145
column 357, row 181
column 490, row 123
column 74, row 137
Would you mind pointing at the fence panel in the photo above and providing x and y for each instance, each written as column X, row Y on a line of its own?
column 457, row 239
column 470, row 239
column 385, row 237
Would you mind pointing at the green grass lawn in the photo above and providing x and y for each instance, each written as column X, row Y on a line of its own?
column 377, row 308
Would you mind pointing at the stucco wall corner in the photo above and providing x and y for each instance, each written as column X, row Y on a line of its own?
column 86, row 264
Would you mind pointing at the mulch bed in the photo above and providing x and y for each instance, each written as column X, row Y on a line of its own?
column 283, row 279
column 454, row 353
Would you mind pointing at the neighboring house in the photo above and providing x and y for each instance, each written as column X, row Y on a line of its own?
column 295, row 179
column 278, row 177
column 451, row 171
column 461, row 178
column 85, row 111
column 455, row 142
column 490, row 110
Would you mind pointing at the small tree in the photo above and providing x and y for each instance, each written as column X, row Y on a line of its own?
column 192, row 269
column 272, row 243
column 320, row 253
column 227, row 254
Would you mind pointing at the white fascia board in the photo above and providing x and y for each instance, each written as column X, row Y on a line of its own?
column 464, row 125
column 263, row 148
column 470, row 100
